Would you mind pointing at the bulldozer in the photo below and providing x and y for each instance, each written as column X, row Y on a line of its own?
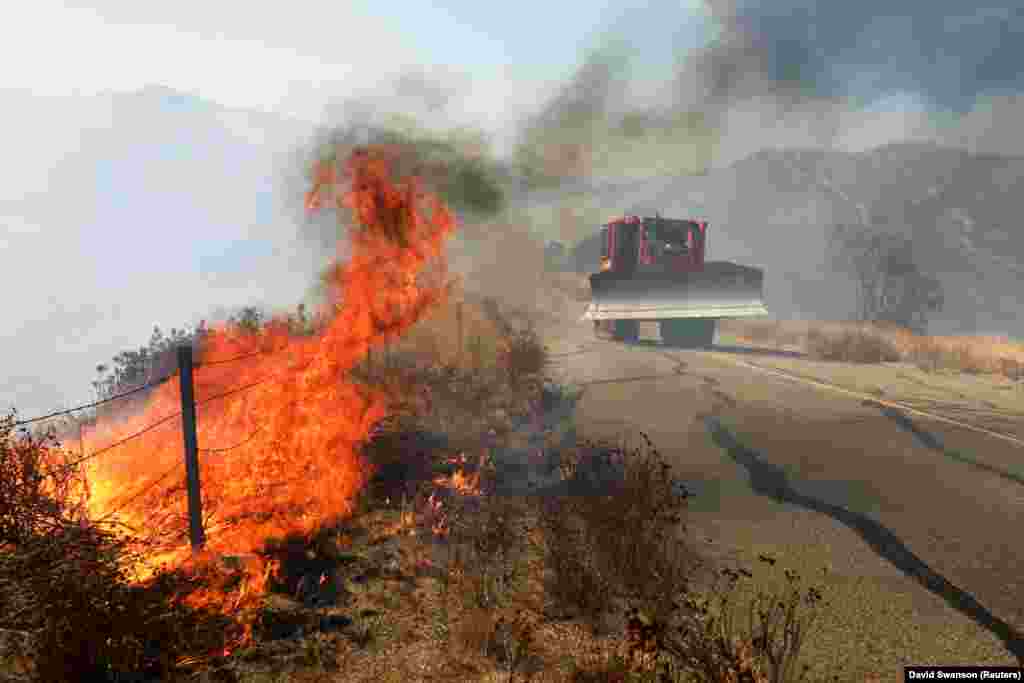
column 653, row 269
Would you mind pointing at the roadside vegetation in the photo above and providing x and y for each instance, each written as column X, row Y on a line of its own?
column 439, row 574
column 880, row 343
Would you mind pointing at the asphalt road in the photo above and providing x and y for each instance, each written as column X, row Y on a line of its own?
column 922, row 546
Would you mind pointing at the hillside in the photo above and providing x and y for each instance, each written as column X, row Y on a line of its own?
column 775, row 208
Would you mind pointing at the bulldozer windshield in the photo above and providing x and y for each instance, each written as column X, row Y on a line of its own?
column 668, row 238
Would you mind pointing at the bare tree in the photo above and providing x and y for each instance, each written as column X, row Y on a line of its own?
column 891, row 286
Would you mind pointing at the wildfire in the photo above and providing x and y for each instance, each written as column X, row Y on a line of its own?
column 461, row 479
column 282, row 455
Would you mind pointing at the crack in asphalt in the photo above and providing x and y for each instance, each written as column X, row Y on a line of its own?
column 933, row 442
column 770, row 480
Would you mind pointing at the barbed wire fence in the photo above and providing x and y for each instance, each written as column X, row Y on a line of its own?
column 185, row 367
column 187, row 414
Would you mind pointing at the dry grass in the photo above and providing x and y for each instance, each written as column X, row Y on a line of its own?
column 866, row 343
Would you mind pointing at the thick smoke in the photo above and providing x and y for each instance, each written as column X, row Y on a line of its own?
column 782, row 119
column 417, row 115
column 946, row 52
column 790, row 73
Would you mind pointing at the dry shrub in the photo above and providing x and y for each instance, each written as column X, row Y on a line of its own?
column 467, row 336
column 619, row 537
column 881, row 342
column 859, row 345
column 524, row 357
column 716, row 639
column 713, row 638
column 966, row 354
column 488, row 536
column 430, row 390
column 573, row 582
column 487, row 570
column 1011, row 368
column 436, row 338
column 623, row 546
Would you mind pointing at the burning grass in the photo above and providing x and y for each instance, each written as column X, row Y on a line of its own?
column 866, row 343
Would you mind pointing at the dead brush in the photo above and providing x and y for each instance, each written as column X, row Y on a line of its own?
column 858, row 345
column 625, row 548
column 487, row 543
column 524, row 357
column 1011, row 368
column 487, row 536
column 623, row 540
column 710, row 641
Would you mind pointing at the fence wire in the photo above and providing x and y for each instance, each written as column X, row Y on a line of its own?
column 237, row 445
column 109, row 399
column 148, row 385
column 114, row 445
column 138, row 494
column 254, row 354
column 162, row 421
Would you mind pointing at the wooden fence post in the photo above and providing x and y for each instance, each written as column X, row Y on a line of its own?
column 458, row 321
column 188, row 428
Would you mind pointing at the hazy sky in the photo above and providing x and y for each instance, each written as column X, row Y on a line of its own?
column 123, row 206
column 295, row 56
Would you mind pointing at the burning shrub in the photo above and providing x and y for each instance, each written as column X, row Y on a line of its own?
column 38, row 486
column 64, row 578
column 292, row 416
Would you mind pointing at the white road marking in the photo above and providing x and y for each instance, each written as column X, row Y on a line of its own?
column 869, row 397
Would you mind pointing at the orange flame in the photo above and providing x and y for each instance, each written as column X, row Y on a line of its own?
column 282, row 456
column 462, row 481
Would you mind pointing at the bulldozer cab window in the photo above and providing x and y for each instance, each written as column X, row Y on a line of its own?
column 667, row 238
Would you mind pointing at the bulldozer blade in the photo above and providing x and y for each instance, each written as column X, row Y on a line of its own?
column 720, row 290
